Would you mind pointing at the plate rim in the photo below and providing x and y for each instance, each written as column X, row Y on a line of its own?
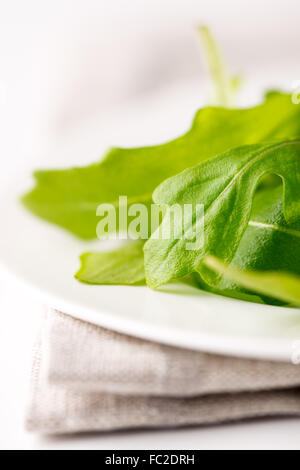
column 218, row 344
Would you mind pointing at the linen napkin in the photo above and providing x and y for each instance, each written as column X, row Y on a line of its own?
column 87, row 378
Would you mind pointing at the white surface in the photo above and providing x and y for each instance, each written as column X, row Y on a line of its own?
column 63, row 65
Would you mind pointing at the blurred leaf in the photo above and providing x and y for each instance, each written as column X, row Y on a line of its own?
column 281, row 285
column 69, row 198
column 224, row 86
column 122, row 266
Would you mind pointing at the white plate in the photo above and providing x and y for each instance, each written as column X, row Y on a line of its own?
column 45, row 258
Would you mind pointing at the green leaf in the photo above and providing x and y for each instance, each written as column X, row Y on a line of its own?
column 225, row 185
column 269, row 243
column 122, row 266
column 69, row 198
column 281, row 285
column 237, row 293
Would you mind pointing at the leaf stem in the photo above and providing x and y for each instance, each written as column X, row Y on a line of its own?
column 223, row 85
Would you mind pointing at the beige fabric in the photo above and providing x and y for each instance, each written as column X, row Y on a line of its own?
column 86, row 378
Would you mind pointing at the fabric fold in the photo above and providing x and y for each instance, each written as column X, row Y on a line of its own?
column 87, row 378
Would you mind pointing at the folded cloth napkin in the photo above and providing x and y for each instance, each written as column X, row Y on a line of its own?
column 87, row 378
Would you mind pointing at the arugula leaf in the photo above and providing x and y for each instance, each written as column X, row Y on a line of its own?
column 238, row 293
column 226, row 186
column 266, row 238
column 281, row 285
column 269, row 243
column 122, row 266
column 69, row 198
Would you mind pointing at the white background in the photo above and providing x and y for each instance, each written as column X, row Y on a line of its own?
column 65, row 67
